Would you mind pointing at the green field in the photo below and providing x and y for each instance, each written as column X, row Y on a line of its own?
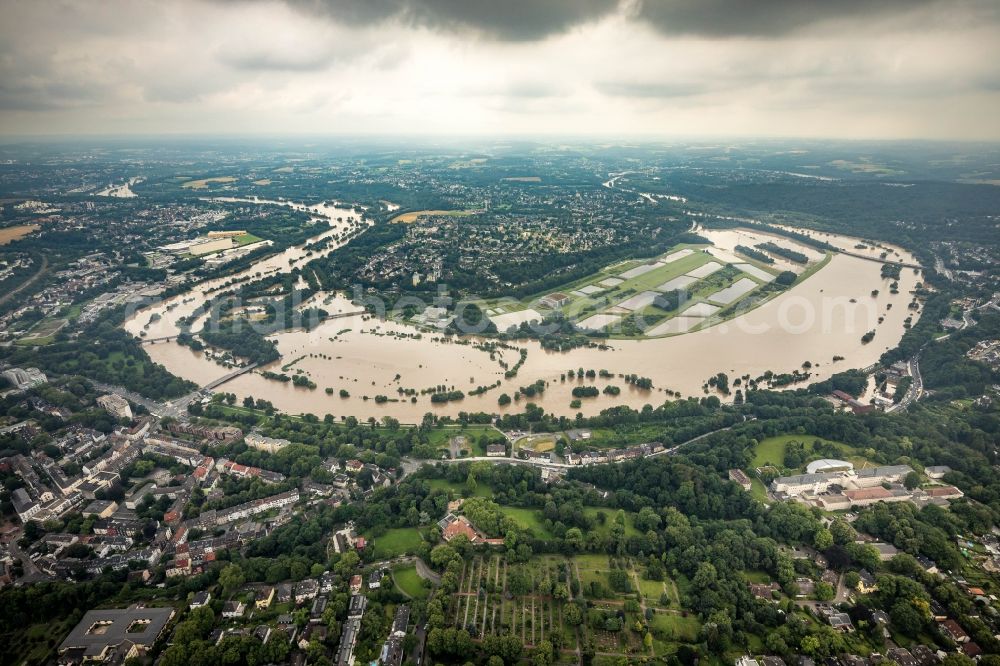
column 395, row 542
column 537, row 443
column 531, row 518
column 771, row 451
column 439, row 437
column 651, row 590
column 409, row 582
column 42, row 333
column 247, row 239
column 482, row 490
column 528, row 519
column 579, row 307
column 630, row 528
column 676, row 627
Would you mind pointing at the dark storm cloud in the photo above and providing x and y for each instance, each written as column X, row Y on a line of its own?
column 776, row 18
column 509, row 20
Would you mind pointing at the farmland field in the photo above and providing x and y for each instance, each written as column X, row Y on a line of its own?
column 204, row 183
column 411, row 217
column 10, row 234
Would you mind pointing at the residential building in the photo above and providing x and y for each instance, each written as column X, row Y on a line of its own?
column 114, row 635
column 201, row 599
column 116, row 405
column 257, row 441
column 233, row 609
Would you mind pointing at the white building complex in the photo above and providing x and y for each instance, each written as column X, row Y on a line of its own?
column 116, row 405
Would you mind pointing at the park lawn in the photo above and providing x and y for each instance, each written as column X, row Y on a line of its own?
column 247, row 239
column 772, row 450
column 409, row 582
column 757, row 576
column 528, row 519
column 757, row 489
column 676, row 627
column 396, row 542
column 536, row 443
column 651, row 590
column 592, row 561
column 438, row 437
column 630, row 528
column 482, row 489
column 588, row 576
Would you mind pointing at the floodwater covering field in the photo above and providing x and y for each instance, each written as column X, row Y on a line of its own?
column 821, row 317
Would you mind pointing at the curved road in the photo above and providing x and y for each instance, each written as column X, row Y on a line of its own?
column 410, row 465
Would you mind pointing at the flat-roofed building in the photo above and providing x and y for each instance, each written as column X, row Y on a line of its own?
column 936, row 471
column 876, row 476
column 116, row 405
column 740, row 477
column 554, row 300
column 944, row 492
column 799, row 483
column 114, row 635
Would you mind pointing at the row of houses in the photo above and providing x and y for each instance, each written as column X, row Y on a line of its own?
column 350, row 630
column 613, row 455
column 214, row 518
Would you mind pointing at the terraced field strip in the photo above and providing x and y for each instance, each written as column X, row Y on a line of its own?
column 461, row 582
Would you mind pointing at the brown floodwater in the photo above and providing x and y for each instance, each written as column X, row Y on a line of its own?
column 814, row 321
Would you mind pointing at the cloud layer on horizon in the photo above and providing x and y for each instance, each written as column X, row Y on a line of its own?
column 884, row 69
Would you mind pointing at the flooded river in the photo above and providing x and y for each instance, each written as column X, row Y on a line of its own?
column 814, row 321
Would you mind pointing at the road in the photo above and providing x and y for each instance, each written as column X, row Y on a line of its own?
column 32, row 574
column 155, row 408
column 27, row 283
column 411, row 465
column 916, row 390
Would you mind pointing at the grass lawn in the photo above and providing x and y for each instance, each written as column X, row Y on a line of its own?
column 591, row 561
column 536, row 443
column 482, row 490
column 757, row 576
column 438, row 437
column 247, row 239
column 651, row 590
column 409, row 582
column 772, row 450
column 676, row 627
column 758, row 490
column 630, row 528
column 396, row 542
column 588, row 576
column 528, row 519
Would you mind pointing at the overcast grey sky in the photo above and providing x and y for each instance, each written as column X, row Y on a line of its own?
column 816, row 68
